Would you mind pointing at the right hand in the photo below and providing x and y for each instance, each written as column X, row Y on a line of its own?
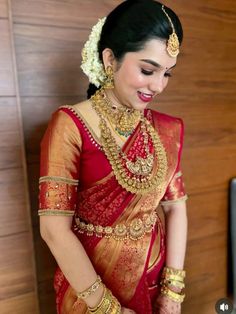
column 127, row 311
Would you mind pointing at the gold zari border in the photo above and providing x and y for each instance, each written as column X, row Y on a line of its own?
column 134, row 231
column 58, row 179
column 181, row 199
column 56, row 212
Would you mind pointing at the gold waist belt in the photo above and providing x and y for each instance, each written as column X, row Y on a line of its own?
column 134, row 231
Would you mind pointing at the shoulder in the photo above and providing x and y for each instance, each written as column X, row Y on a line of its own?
column 63, row 126
column 165, row 118
column 168, row 122
column 64, row 116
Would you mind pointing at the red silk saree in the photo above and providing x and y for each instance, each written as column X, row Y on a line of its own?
column 122, row 232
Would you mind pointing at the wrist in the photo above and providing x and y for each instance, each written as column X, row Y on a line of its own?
column 94, row 299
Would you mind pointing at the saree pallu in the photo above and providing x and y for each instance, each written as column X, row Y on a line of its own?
column 76, row 179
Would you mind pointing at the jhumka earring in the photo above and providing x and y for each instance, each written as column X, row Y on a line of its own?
column 109, row 83
column 173, row 41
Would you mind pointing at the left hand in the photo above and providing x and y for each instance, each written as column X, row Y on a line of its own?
column 165, row 305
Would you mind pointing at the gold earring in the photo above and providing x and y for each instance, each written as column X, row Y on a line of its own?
column 109, row 83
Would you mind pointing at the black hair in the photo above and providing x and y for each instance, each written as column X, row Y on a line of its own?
column 131, row 24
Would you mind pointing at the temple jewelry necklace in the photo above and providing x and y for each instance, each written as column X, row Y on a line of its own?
column 125, row 119
column 114, row 130
column 139, row 176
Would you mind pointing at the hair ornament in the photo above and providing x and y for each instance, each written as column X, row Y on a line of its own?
column 173, row 41
column 91, row 64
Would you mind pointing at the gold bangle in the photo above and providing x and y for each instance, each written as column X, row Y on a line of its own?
column 105, row 305
column 172, row 277
column 116, row 307
column 86, row 293
column 174, row 271
column 171, row 282
column 179, row 298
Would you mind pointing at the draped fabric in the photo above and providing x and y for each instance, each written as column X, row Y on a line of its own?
column 76, row 179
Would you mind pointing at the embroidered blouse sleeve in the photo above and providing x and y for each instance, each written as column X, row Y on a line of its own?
column 175, row 191
column 59, row 165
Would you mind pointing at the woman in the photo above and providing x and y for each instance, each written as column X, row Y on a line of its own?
column 106, row 165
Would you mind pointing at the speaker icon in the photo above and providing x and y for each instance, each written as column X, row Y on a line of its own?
column 224, row 306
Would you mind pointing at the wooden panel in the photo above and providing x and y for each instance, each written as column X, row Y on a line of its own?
column 21, row 304
column 209, row 169
column 16, row 265
column 72, row 14
column 7, row 87
column 16, row 259
column 206, row 257
column 10, row 139
column 204, row 210
column 13, row 216
column 43, row 51
column 3, row 9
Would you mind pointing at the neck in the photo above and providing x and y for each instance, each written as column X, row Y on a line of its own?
column 110, row 94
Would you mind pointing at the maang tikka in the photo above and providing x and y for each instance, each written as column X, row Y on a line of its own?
column 173, row 41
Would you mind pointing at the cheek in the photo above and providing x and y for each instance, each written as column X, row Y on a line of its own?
column 129, row 78
column 165, row 82
column 135, row 79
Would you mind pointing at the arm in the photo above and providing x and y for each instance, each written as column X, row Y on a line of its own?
column 176, row 233
column 70, row 255
column 59, row 177
column 176, row 238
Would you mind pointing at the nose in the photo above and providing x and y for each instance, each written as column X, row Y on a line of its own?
column 157, row 84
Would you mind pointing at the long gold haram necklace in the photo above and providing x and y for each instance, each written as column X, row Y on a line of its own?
column 137, row 176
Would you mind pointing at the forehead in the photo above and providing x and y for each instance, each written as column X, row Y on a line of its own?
column 154, row 50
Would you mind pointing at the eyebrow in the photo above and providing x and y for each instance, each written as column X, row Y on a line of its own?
column 155, row 64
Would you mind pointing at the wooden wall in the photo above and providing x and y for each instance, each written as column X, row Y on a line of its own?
column 202, row 92
column 48, row 37
column 18, row 291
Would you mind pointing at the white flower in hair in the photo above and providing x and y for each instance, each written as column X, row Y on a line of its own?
column 91, row 64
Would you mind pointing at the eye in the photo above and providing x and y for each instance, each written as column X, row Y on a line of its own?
column 168, row 74
column 146, row 72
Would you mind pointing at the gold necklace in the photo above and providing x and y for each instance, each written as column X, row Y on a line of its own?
column 137, row 176
column 125, row 119
column 114, row 130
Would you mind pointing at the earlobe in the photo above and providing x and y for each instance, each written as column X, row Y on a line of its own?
column 108, row 57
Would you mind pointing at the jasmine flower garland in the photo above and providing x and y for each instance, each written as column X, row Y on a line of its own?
column 91, row 64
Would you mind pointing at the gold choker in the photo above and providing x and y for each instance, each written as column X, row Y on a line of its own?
column 125, row 119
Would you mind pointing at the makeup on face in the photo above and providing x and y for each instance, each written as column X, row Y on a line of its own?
column 142, row 75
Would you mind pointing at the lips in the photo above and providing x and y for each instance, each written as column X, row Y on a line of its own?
column 145, row 97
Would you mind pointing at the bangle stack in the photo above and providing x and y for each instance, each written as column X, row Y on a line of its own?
column 172, row 280
column 86, row 293
column 108, row 305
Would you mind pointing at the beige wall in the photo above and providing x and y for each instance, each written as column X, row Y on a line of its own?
column 48, row 37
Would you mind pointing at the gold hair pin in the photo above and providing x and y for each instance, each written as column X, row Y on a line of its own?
column 173, row 41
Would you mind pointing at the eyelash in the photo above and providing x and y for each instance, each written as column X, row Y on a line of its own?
column 145, row 72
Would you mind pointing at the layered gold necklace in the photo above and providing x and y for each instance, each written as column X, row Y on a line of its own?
column 138, row 176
